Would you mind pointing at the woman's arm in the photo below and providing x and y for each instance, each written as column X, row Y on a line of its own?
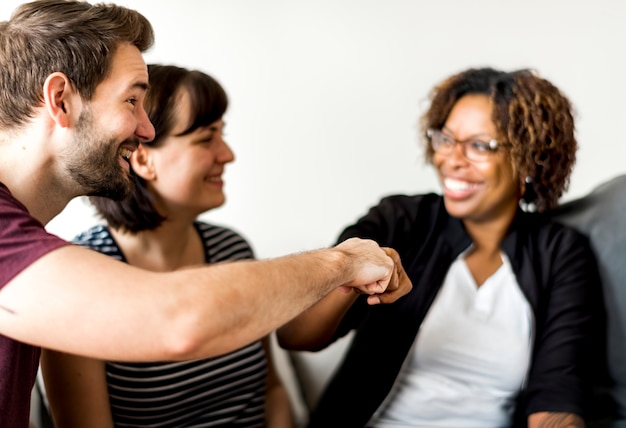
column 555, row 420
column 313, row 329
column 278, row 412
column 76, row 389
column 560, row 375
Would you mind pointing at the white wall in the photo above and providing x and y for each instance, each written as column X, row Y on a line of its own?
column 325, row 95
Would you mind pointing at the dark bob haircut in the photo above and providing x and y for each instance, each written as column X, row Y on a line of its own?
column 208, row 102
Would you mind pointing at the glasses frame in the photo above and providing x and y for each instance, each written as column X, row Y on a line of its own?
column 490, row 147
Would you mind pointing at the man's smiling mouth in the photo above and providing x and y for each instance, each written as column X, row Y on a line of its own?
column 125, row 153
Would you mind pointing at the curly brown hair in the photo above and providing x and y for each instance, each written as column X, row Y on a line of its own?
column 533, row 119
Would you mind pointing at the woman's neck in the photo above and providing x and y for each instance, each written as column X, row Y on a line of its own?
column 169, row 247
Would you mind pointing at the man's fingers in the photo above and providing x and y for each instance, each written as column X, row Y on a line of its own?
column 374, row 288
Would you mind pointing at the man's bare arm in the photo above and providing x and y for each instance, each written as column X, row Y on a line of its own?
column 79, row 301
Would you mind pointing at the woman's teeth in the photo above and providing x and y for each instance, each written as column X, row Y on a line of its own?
column 457, row 185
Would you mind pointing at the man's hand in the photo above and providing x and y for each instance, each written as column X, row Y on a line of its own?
column 378, row 271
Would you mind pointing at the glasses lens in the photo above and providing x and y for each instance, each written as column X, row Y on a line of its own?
column 473, row 150
column 479, row 151
column 440, row 142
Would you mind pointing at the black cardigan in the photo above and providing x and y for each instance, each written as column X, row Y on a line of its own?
column 554, row 267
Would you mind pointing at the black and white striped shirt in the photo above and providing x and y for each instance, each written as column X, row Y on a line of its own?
column 228, row 390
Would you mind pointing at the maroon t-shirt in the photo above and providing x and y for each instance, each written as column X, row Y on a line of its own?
column 23, row 240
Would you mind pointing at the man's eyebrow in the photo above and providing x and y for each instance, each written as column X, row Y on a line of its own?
column 140, row 85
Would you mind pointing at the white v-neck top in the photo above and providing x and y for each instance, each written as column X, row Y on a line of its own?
column 470, row 357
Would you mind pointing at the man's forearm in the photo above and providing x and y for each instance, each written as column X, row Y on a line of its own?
column 66, row 295
column 275, row 291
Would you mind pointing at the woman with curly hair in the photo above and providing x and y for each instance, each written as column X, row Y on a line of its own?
column 497, row 330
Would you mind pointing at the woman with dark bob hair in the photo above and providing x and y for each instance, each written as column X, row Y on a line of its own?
column 177, row 177
column 498, row 328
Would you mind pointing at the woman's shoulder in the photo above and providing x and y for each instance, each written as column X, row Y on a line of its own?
column 216, row 231
column 411, row 199
column 409, row 204
column 94, row 236
column 223, row 242
column 551, row 233
column 555, row 225
column 99, row 238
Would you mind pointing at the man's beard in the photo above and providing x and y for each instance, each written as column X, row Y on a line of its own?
column 93, row 165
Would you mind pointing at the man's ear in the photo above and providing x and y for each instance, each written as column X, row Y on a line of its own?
column 59, row 95
column 142, row 163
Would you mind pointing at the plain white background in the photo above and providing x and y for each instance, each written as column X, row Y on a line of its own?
column 326, row 94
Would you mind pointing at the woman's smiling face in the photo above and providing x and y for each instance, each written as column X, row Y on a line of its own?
column 476, row 191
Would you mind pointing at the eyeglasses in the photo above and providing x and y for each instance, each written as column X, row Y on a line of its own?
column 473, row 149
